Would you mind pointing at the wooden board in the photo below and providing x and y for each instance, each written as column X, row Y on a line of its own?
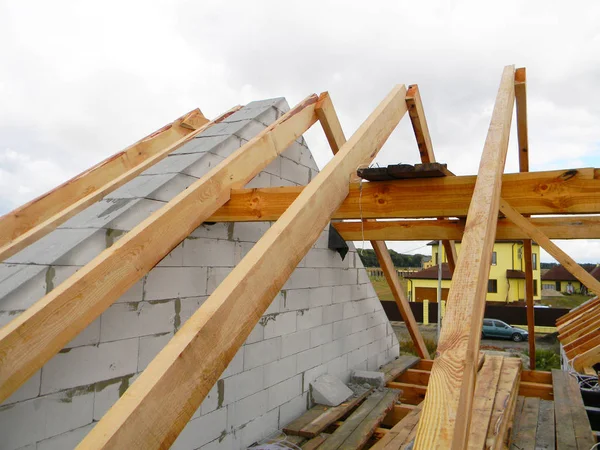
column 415, row 376
column 536, row 376
column 358, row 428
column 545, row 436
column 568, row 227
column 159, row 404
column 453, row 376
column 394, row 369
column 404, row 172
column 32, row 338
column 401, row 433
column 411, row 393
column 531, row 389
column 319, row 417
column 525, row 436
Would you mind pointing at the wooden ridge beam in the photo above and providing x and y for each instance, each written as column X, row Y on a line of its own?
column 578, row 311
column 523, row 137
column 566, row 227
column 569, row 263
column 579, row 319
column 447, row 411
column 31, row 339
column 421, row 130
column 573, row 191
column 335, row 134
column 35, row 219
column 154, row 410
column 578, row 345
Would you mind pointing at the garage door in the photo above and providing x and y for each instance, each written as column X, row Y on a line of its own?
column 423, row 293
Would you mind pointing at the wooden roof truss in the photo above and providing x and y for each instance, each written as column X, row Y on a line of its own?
column 475, row 209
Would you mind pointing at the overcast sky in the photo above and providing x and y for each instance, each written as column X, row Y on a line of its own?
column 81, row 80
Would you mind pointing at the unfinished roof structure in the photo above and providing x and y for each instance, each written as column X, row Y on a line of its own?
column 183, row 292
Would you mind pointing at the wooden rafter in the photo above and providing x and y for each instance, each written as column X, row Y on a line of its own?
column 336, row 138
column 31, row 339
column 421, row 130
column 447, row 411
column 158, row 405
column 523, row 136
column 40, row 216
column 534, row 233
column 573, row 191
column 566, row 227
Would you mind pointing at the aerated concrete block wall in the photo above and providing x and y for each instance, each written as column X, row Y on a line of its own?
column 326, row 319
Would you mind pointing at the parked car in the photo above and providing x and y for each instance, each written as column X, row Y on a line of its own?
column 493, row 328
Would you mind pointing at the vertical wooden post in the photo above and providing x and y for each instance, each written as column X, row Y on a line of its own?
column 521, row 101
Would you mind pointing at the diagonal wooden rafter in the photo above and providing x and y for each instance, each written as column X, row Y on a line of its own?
column 335, row 136
column 448, row 404
column 31, row 339
column 534, row 233
column 523, row 137
column 154, row 410
column 419, row 123
column 35, row 219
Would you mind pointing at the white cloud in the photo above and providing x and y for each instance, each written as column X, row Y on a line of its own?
column 80, row 81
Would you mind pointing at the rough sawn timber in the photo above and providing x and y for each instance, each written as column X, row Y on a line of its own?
column 155, row 409
column 31, row 339
column 454, row 371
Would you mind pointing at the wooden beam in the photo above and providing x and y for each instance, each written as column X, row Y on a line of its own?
column 586, row 328
column 578, row 311
column 31, row 339
column 574, row 191
column 521, row 106
column 333, row 131
column 159, row 404
column 447, row 410
column 536, row 376
column 580, row 344
column 419, row 123
column 532, row 389
column 586, row 359
column 575, row 269
column 35, row 219
column 566, row 227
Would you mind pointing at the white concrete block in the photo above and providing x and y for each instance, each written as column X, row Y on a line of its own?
column 310, row 358
column 339, row 367
column 303, row 278
column 242, row 385
column 67, row 440
column 275, row 306
column 274, row 167
column 89, row 336
column 219, row 230
column 294, row 172
column 262, row 353
column 356, row 357
column 359, row 323
column 108, row 392
column 257, row 334
column 329, row 390
column 249, row 231
column 350, row 310
column 212, row 400
column 363, row 276
column 280, row 370
column 295, row 299
column 321, row 335
column 26, row 287
column 208, row 252
column 374, row 379
column 342, row 294
column 202, row 430
column 279, row 324
column 30, row 389
column 262, row 180
column 204, row 165
column 150, row 346
column 128, row 320
column 292, row 410
column 295, row 343
column 320, row 296
column 285, row 391
column 342, row 328
column 203, row 144
column 312, row 374
column 216, row 275
column 309, row 318
column 187, row 307
column 34, row 420
column 236, row 365
column 138, row 211
column 258, row 429
column 134, row 294
column 333, row 349
column 243, row 411
column 85, row 365
column 301, row 155
column 333, row 313
column 163, row 283
column 174, row 258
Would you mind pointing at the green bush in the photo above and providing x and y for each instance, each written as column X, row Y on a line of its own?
column 546, row 360
column 408, row 346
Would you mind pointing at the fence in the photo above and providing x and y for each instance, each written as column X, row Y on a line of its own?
column 514, row 315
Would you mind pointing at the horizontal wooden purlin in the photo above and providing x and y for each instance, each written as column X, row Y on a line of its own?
column 567, row 227
column 574, row 191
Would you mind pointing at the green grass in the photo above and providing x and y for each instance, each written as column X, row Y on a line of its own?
column 383, row 289
column 408, row 346
column 568, row 301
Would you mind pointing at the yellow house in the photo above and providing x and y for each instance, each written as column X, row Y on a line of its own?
column 558, row 278
column 506, row 281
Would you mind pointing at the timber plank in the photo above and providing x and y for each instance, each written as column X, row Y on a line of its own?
column 401, row 432
column 581, row 424
column 323, row 416
column 315, row 442
column 411, row 393
column 545, row 437
column 568, row 433
column 525, row 437
column 536, row 376
column 398, row 412
column 453, row 376
column 174, row 383
column 573, row 191
column 530, row 389
column 483, row 402
column 369, row 412
column 415, row 376
column 397, row 367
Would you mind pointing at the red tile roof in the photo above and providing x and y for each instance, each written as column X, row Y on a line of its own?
column 431, row 273
column 560, row 273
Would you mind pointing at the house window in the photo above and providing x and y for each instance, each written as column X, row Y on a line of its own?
column 534, row 261
column 436, row 258
column 494, row 258
column 492, row 286
column 535, row 287
column 558, row 286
